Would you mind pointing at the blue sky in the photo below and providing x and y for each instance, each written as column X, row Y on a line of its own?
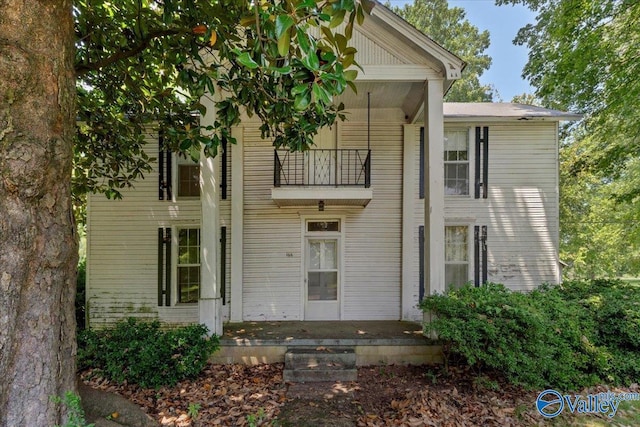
column 503, row 22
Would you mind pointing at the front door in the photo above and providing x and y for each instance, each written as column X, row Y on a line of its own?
column 322, row 279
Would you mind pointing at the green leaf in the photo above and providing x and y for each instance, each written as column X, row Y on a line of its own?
column 320, row 93
column 328, row 34
column 283, row 23
column 299, row 89
column 311, row 61
column 337, row 18
column 360, row 15
column 283, row 43
column 246, row 60
column 348, row 30
column 350, row 75
column 302, row 100
column 303, row 40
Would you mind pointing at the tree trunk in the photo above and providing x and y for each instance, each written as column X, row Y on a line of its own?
column 38, row 245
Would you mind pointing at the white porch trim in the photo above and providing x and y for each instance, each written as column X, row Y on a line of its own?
column 408, row 223
column 434, row 187
column 237, row 222
column 210, row 303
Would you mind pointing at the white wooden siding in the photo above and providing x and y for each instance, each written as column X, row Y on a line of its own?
column 521, row 212
column 122, row 253
column 273, row 243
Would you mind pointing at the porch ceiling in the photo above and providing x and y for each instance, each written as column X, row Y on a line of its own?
column 406, row 96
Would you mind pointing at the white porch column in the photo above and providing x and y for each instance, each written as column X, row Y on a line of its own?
column 237, row 223
column 210, row 303
column 409, row 193
column 434, row 187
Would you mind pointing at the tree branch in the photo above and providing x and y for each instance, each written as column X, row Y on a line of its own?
column 82, row 69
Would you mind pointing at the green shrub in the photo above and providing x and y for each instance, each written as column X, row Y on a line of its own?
column 566, row 336
column 140, row 352
column 534, row 339
column 614, row 306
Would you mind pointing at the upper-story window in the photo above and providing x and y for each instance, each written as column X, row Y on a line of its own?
column 456, row 162
column 188, row 177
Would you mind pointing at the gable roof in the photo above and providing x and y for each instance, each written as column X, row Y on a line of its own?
column 494, row 111
column 450, row 65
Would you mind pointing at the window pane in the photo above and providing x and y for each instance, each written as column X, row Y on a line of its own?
column 456, row 243
column 455, row 140
column 314, row 255
column 188, row 265
column 323, row 286
column 329, row 255
column 188, row 180
column 323, row 226
column 456, row 275
column 456, row 179
column 188, row 284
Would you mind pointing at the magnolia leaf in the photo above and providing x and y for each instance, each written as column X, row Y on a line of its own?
column 311, row 61
column 247, row 20
column 328, row 34
column 337, row 18
column 302, row 100
column 320, row 94
column 299, row 89
column 350, row 75
column 283, row 23
column 246, row 60
column 303, row 40
column 348, row 30
column 283, row 43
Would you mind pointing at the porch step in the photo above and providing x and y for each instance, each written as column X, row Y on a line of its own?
column 320, row 364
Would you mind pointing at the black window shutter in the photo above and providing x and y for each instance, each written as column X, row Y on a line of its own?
column 421, row 261
column 421, row 163
column 164, row 267
column 167, row 267
column 161, row 175
column 476, row 255
column 223, row 180
column 480, row 257
column 223, row 264
column 484, row 254
column 160, row 266
column 164, row 169
column 482, row 158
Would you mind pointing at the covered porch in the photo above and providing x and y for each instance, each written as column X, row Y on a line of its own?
column 374, row 342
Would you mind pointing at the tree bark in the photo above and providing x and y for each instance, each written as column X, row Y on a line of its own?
column 38, row 244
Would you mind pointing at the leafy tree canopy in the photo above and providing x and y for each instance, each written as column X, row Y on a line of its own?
column 583, row 56
column 450, row 28
column 143, row 62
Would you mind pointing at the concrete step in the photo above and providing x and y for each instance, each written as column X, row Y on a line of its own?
column 320, row 364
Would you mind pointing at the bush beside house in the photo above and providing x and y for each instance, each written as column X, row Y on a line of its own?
column 567, row 336
column 142, row 353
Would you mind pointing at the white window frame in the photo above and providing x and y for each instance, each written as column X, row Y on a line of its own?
column 470, row 162
column 175, row 289
column 469, row 263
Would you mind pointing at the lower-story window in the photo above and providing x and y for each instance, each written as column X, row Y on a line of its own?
column 188, row 265
column 456, row 256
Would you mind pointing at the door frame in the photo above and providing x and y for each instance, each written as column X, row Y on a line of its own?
column 305, row 235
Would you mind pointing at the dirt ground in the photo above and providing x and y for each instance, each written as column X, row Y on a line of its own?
column 237, row 395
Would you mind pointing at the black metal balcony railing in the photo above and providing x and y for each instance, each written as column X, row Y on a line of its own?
column 322, row 167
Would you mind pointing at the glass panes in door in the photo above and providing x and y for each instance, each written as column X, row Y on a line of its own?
column 322, row 270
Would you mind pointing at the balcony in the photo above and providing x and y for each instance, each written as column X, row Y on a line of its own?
column 323, row 177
